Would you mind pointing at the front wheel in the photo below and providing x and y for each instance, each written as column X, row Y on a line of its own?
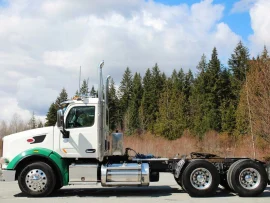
column 37, row 179
column 200, row 178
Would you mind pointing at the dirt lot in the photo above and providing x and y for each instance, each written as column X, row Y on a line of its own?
column 166, row 190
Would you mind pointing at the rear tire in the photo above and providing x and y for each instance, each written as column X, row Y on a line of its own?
column 229, row 173
column 37, row 179
column 249, row 178
column 200, row 178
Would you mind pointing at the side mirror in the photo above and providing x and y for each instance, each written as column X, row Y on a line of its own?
column 60, row 119
column 61, row 123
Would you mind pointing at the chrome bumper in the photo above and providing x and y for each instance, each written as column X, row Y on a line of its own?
column 7, row 175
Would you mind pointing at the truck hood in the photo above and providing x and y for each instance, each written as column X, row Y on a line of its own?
column 28, row 133
column 17, row 143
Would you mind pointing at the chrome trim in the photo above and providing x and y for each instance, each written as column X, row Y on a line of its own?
column 82, row 183
column 7, row 175
column 36, row 180
column 151, row 159
column 100, row 115
column 125, row 174
column 201, row 178
column 122, row 183
column 249, row 178
column 117, row 144
column 83, row 173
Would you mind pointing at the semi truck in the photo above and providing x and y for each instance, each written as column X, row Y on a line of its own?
column 80, row 150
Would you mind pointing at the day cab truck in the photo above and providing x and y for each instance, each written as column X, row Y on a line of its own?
column 79, row 150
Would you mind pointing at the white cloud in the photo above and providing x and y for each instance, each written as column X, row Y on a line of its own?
column 260, row 23
column 9, row 106
column 43, row 43
column 34, row 95
column 242, row 6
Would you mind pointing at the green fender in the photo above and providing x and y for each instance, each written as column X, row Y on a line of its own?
column 51, row 155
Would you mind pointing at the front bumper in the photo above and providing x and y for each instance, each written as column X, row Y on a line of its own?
column 7, row 175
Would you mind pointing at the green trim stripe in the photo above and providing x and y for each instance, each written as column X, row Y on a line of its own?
column 53, row 156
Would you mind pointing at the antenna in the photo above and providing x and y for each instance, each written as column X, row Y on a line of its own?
column 88, row 86
column 80, row 82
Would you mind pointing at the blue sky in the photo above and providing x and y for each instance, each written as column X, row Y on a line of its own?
column 239, row 22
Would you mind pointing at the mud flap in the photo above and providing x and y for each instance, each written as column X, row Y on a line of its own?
column 267, row 167
column 178, row 167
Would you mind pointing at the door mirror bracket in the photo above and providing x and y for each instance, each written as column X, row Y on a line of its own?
column 61, row 123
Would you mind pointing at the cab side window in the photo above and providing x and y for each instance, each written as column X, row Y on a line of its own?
column 81, row 116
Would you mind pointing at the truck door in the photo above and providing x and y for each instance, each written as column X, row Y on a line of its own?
column 81, row 122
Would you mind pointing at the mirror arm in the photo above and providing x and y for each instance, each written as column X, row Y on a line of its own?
column 64, row 132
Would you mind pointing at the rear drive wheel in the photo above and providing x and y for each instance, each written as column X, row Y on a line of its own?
column 249, row 178
column 37, row 179
column 229, row 173
column 200, row 178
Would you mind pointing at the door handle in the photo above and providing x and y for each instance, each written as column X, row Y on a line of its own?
column 90, row 151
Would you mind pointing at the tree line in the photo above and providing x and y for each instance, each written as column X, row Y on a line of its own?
column 224, row 99
column 215, row 97
column 230, row 99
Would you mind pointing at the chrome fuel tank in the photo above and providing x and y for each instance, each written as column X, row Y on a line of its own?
column 126, row 174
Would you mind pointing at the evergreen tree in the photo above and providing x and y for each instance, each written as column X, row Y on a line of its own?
column 145, row 111
column 212, row 118
column 135, row 102
column 61, row 98
column 198, row 99
column 227, row 107
column 202, row 66
column 170, row 121
column 93, row 92
column 51, row 115
column 84, row 88
column 264, row 56
column 188, row 83
column 157, row 85
column 77, row 93
column 113, row 102
column 125, row 90
column 181, row 79
column 207, row 96
column 238, row 64
column 153, row 83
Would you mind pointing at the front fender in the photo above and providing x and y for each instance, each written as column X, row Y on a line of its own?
column 61, row 164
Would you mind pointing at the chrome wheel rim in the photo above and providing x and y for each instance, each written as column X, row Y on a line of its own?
column 201, row 178
column 36, row 180
column 249, row 178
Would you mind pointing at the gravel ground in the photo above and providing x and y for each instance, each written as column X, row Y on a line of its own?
column 166, row 190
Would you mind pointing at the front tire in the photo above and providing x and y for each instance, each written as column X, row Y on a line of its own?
column 200, row 178
column 37, row 179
